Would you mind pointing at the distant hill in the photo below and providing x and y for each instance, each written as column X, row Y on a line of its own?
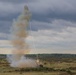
column 46, row 55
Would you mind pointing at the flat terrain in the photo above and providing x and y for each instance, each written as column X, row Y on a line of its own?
column 35, row 73
column 50, row 64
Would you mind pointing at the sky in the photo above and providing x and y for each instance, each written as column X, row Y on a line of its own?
column 53, row 25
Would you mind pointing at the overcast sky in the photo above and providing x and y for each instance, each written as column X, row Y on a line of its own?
column 53, row 25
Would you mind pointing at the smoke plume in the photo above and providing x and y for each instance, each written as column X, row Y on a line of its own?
column 18, row 40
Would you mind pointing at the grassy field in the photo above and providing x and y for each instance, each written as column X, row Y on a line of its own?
column 31, row 73
column 52, row 65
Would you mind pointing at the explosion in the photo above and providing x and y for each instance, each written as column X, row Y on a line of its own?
column 18, row 40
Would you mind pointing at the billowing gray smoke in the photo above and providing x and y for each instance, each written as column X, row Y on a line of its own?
column 18, row 38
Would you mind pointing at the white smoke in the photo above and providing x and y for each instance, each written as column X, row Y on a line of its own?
column 18, row 36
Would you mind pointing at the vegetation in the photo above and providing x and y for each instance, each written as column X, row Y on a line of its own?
column 52, row 64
